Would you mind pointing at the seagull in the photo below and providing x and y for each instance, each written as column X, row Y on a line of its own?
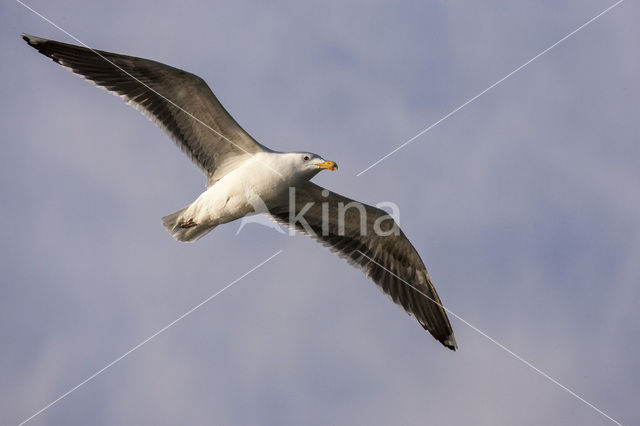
column 235, row 164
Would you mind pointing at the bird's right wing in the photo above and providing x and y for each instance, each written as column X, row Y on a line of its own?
column 180, row 103
column 369, row 239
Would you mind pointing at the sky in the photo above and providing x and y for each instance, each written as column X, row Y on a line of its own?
column 524, row 206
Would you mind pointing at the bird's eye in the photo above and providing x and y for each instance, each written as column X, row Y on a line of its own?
column 306, row 158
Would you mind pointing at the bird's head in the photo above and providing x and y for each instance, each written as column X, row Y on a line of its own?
column 309, row 164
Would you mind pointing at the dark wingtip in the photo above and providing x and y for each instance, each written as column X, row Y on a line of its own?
column 31, row 40
column 42, row 45
column 450, row 342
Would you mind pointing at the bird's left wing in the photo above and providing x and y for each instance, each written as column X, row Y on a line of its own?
column 369, row 239
column 180, row 103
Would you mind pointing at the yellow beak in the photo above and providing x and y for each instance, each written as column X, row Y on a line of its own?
column 330, row 165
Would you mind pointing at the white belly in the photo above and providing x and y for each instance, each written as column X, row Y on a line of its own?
column 244, row 191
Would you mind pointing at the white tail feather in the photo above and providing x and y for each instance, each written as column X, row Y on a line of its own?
column 175, row 225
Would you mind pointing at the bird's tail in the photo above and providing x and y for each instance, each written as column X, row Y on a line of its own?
column 183, row 228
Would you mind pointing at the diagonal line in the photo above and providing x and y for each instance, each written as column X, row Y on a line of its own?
column 145, row 85
column 136, row 347
column 492, row 86
column 500, row 345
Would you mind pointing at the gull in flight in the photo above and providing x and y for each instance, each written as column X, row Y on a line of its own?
column 235, row 165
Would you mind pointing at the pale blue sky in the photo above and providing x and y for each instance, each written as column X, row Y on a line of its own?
column 524, row 206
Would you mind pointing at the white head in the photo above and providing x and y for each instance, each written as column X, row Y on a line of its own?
column 307, row 164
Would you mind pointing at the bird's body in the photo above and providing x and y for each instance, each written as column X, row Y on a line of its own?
column 222, row 202
column 231, row 197
column 242, row 174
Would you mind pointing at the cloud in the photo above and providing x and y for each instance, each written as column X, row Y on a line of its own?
column 523, row 205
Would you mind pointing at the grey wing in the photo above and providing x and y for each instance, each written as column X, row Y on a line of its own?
column 377, row 246
column 180, row 103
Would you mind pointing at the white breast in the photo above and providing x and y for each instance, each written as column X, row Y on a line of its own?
column 234, row 196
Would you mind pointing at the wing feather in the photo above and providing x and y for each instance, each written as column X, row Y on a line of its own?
column 180, row 103
column 390, row 261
